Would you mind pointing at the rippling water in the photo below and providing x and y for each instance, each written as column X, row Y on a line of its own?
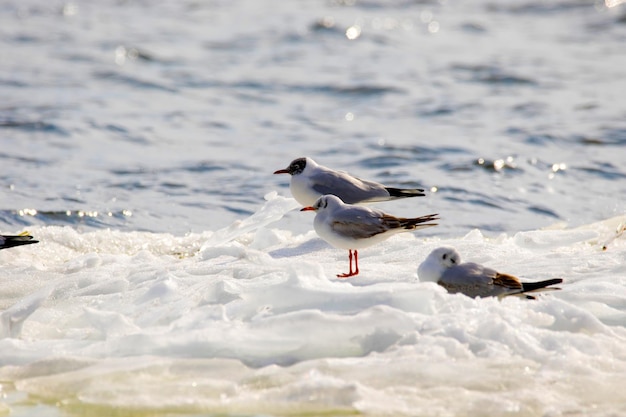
column 170, row 117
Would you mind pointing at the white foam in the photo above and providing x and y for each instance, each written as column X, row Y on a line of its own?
column 252, row 319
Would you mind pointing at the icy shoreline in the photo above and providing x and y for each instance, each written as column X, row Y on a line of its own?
column 251, row 320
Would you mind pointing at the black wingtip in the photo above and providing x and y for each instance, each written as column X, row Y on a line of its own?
column 19, row 240
column 405, row 192
column 430, row 217
column 420, row 222
column 533, row 286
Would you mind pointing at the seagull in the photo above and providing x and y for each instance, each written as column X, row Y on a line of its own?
column 444, row 267
column 354, row 227
column 8, row 241
column 310, row 181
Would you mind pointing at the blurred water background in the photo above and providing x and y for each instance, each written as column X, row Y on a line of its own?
column 137, row 143
column 171, row 116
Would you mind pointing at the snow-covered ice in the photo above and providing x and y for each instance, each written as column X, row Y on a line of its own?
column 251, row 320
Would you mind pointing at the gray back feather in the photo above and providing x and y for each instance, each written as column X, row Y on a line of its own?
column 351, row 190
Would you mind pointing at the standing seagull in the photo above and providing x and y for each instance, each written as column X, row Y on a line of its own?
column 310, row 181
column 354, row 227
column 8, row 241
column 444, row 267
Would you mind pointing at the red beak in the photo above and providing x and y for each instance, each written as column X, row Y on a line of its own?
column 282, row 171
column 308, row 208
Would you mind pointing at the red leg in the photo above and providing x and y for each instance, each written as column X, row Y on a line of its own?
column 356, row 263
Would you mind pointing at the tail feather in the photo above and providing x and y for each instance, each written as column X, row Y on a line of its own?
column 420, row 222
column 8, row 241
column 405, row 192
column 541, row 285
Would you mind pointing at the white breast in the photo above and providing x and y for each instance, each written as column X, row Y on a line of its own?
column 301, row 191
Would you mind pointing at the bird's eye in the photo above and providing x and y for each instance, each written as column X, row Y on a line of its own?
column 296, row 167
column 445, row 256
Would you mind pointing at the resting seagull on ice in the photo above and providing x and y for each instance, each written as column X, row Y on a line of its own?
column 310, row 181
column 9, row 241
column 354, row 227
column 444, row 267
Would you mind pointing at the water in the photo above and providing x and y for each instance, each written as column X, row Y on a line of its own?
column 137, row 143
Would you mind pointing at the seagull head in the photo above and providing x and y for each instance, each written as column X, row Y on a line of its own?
column 296, row 167
column 325, row 202
column 437, row 262
column 447, row 256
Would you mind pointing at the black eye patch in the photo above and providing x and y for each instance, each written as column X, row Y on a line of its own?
column 297, row 166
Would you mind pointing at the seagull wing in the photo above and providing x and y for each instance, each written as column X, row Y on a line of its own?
column 475, row 280
column 358, row 223
column 507, row 281
column 350, row 189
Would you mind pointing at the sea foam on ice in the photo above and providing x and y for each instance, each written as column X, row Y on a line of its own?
column 251, row 319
